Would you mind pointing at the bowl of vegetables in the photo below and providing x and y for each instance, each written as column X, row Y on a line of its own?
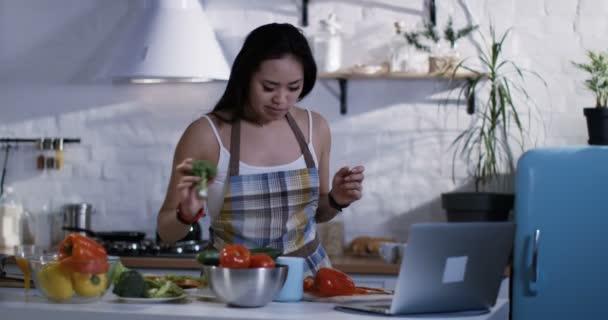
column 243, row 279
column 62, row 279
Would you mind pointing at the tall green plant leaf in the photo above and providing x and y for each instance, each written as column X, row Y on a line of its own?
column 487, row 144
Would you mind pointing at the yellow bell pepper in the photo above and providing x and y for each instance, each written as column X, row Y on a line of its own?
column 55, row 281
column 89, row 285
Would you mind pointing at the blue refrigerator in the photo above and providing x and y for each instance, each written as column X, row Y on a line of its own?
column 560, row 259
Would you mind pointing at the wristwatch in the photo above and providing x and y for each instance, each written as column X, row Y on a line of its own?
column 334, row 204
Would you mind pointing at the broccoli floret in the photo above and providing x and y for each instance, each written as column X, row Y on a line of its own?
column 116, row 270
column 204, row 169
column 131, row 284
column 163, row 289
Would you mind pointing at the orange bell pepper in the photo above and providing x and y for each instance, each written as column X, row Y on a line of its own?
column 81, row 254
column 329, row 283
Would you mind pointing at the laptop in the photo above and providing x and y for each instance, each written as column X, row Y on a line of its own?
column 448, row 267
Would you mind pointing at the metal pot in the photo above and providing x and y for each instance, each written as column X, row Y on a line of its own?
column 77, row 216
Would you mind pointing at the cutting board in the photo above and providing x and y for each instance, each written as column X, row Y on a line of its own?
column 347, row 299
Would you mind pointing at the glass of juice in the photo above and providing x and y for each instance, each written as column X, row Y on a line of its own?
column 22, row 254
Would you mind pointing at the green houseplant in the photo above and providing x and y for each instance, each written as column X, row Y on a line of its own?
column 489, row 144
column 597, row 83
column 440, row 61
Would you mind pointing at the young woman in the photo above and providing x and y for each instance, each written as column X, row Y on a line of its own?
column 272, row 185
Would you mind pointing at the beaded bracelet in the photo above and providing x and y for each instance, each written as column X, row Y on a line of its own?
column 188, row 220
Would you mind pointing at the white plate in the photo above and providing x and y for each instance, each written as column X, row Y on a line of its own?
column 201, row 293
column 151, row 300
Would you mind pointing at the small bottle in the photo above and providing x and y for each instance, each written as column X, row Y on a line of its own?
column 40, row 160
column 59, row 156
column 399, row 50
column 328, row 45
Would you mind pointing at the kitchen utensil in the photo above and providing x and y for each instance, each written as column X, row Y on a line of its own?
column 77, row 215
column 246, row 287
column 293, row 288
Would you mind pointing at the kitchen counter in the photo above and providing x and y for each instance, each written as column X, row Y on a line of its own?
column 14, row 306
column 346, row 264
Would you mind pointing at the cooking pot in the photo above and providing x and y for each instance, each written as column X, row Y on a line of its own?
column 77, row 216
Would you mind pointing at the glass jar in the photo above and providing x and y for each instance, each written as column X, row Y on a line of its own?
column 327, row 46
column 399, row 50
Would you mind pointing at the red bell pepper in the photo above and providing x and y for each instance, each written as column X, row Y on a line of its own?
column 81, row 254
column 331, row 282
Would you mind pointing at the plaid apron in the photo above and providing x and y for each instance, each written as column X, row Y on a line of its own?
column 275, row 209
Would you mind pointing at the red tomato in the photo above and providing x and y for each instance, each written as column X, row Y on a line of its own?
column 261, row 260
column 235, row 256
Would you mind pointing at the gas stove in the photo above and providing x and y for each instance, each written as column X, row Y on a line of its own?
column 149, row 248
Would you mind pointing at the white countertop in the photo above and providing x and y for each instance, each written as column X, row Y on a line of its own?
column 13, row 305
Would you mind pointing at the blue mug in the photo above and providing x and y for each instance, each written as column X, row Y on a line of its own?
column 293, row 289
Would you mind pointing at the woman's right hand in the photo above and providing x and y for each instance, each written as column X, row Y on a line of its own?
column 187, row 188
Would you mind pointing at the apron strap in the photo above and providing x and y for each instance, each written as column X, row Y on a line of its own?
column 235, row 148
column 235, row 145
column 310, row 163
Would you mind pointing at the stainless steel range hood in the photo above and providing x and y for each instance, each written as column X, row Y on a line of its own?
column 169, row 41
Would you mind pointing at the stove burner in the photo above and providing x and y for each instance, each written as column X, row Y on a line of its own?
column 149, row 248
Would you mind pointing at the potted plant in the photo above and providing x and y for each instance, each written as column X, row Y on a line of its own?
column 440, row 61
column 597, row 117
column 496, row 132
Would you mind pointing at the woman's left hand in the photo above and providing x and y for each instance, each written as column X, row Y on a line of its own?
column 347, row 185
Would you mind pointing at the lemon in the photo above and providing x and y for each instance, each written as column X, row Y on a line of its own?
column 55, row 281
column 89, row 285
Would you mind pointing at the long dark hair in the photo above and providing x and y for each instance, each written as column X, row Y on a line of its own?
column 270, row 41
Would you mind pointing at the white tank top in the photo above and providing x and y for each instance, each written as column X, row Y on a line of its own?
column 217, row 189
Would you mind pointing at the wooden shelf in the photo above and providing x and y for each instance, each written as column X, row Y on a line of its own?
column 343, row 78
column 432, row 7
column 395, row 75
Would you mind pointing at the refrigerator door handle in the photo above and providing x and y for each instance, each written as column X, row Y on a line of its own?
column 533, row 285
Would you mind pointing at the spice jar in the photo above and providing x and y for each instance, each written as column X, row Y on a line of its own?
column 59, row 156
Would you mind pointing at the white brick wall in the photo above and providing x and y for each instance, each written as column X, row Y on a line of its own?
column 52, row 53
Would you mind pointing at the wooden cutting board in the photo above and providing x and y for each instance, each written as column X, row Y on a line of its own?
column 347, row 299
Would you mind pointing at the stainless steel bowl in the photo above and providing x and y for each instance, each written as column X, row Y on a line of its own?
column 246, row 287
